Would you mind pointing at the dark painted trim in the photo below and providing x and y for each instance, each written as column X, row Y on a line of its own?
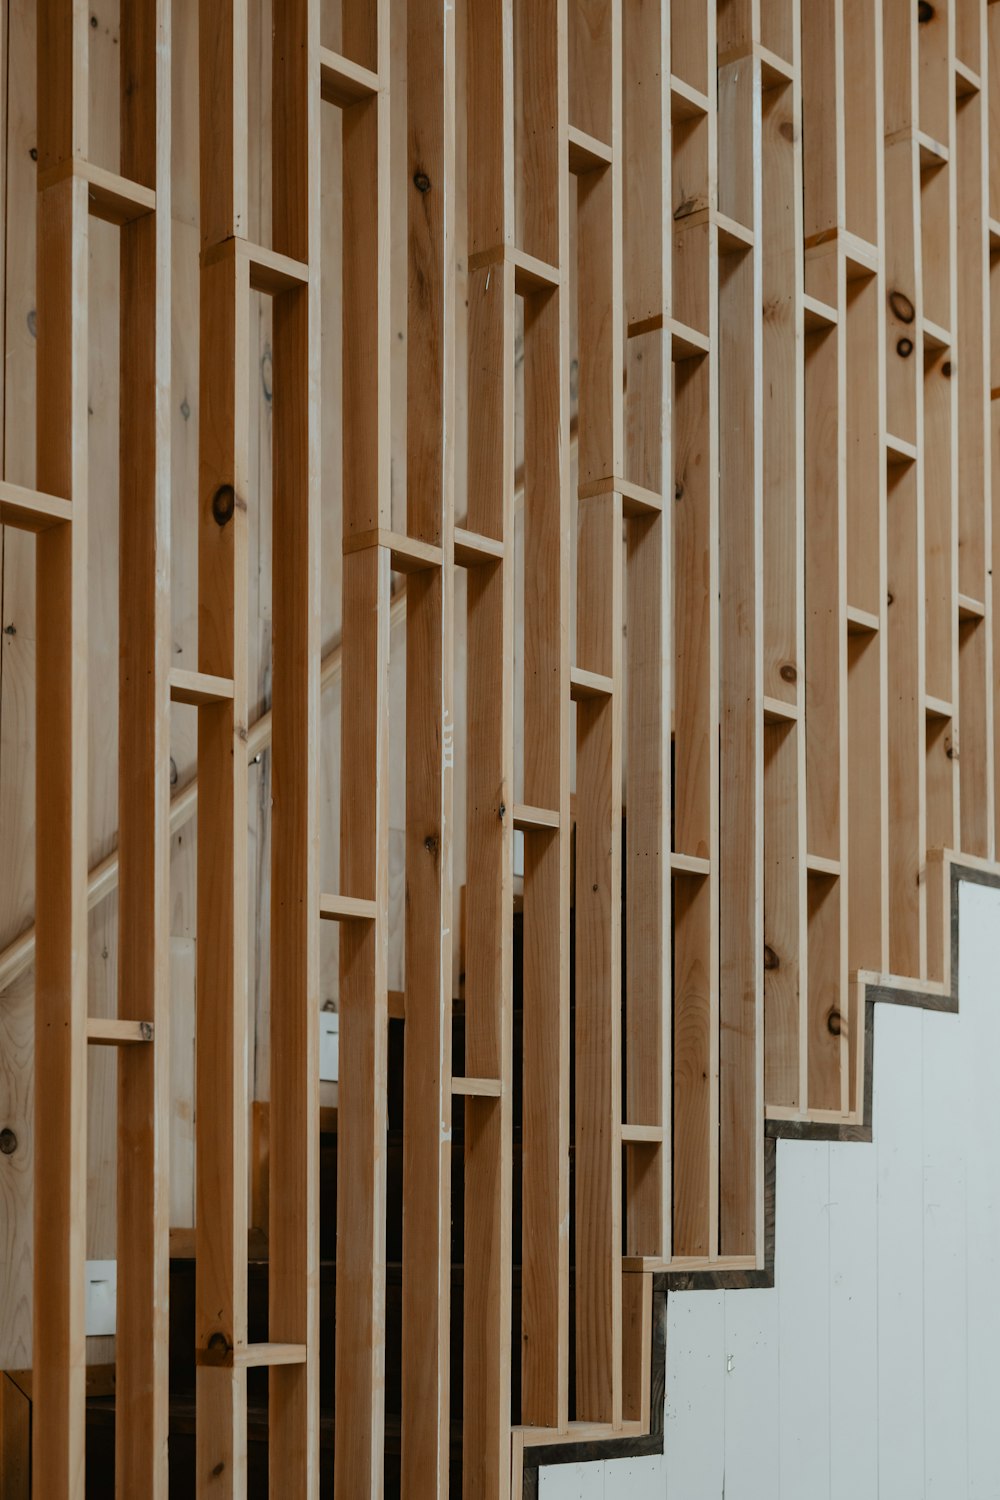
column 795, row 1130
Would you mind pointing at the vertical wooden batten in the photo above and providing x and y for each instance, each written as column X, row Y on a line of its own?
column 293, row 1279
column 61, row 731
column 142, row 1374
column 430, row 518
column 541, row 142
column 221, row 1070
column 596, row 108
column 487, row 1294
column 362, row 1116
column 647, row 438
column 741, row 687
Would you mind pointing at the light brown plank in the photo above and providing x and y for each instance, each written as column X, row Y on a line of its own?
column 60, row 1146
column 362, row 1105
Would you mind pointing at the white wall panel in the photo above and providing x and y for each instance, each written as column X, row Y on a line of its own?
column 898, row 1129
column 695, row 1426
column 945, row 1383
column 752, row 1363
column 979, row 1099
column 872, row 1370
column 802, row 1265
column 853, row 1321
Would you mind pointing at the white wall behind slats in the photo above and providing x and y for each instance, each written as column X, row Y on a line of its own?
column 872, row 1370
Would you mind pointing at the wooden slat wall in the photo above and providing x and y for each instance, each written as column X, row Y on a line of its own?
column 287, row 271
column 718, row 281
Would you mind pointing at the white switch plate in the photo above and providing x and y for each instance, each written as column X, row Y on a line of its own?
column 329, row 1046
column 519, row 852
column 101, row 1297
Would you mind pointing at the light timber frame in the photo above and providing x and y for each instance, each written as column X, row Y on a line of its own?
column 71, row 189
column 687, row 457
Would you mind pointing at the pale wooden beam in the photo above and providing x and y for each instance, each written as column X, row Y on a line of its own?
column 541, row 167
column 364, row 801
column 60, row 1129
column 596, row 107
column 430, row 518
column 489, row 905
column 222, row 1014
column 293, row 1264
column 647, row 460
column 143, row 1195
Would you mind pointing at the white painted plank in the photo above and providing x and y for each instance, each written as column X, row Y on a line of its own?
column 636, row 1478
column 944, row 1290
column 752, row 1365
column 572, row 1482
column 898, row 1127
column 979, row 1023
column 853, row 1321
column 803, row 1287
column 694, row 1438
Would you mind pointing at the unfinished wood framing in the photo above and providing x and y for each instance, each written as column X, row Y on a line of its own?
column 626, row 439
column 288, row 272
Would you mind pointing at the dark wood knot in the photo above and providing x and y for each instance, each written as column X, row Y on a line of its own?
column 223, row 504
column 902, row 307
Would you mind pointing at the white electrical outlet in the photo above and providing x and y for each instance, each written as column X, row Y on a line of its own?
column 329, row 1046
column 101, row 1297
column 519, row 852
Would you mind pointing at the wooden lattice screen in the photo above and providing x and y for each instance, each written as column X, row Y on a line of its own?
column 683, row 487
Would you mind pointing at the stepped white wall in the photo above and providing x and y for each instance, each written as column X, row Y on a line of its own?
column 872, row 1370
